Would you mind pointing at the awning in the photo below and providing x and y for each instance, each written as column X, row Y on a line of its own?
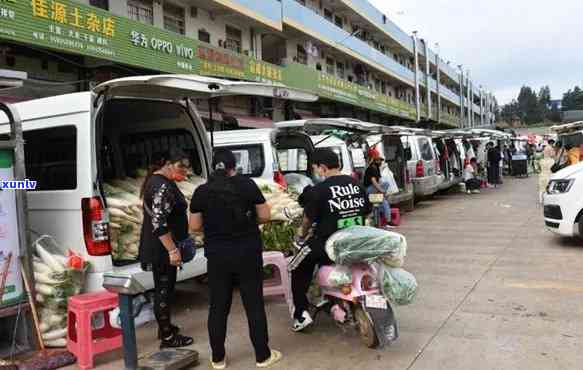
column 251, row 121
column 305, row 114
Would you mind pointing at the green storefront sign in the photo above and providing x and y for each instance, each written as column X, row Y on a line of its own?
column 68, row 26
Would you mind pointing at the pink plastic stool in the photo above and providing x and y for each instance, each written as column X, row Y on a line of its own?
column 82, row 340
column 395, row 217
column 280, row 284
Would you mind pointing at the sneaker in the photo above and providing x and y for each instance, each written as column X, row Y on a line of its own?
column 219, row 365
column 275, row 357
column 469, row 192
column 475, row 192
column 389, row 227
column 305, row 321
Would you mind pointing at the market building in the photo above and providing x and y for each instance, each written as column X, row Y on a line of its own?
column 346, row 51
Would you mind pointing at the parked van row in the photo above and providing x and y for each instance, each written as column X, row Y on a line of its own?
column 76, row 144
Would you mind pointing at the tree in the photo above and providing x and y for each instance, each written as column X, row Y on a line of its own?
column 544, row 101
column 573, row 99
column 529, row 106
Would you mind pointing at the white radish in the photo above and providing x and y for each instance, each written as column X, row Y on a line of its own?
column 45, row 279
column 61, row 342
column 44, row 327
column 55, row 334
column 44, row 289
column 49, row 259
column 41, row 268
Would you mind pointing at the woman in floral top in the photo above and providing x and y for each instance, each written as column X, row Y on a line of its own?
column 165, row 224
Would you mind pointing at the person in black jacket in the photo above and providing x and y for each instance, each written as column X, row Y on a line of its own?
column 336, row 203
column 493, row 158
column 165, row 224
column 229, row 208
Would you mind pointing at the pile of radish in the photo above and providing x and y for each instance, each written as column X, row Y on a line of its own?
column 57, row 277
column 126, row 212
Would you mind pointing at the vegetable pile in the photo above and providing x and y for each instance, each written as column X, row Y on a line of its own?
column 126, row 213
column 57, row 277
column 286, row 213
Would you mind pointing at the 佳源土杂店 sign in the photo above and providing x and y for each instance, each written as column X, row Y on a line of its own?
column 76, row 28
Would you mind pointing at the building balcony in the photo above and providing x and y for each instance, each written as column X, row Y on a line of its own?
column 266, row 12
column 311, row 23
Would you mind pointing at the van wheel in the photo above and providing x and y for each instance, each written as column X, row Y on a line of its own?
column 580, row 229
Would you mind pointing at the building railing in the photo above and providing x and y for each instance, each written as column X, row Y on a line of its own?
column 312, row 23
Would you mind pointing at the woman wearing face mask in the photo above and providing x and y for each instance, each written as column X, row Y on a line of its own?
column 372, row 183
column 164, row 226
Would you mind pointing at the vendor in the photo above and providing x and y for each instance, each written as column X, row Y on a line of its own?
column 331, row 205
column 165, row 223
column 470, row 179
column 372, row 183
column 229, row 208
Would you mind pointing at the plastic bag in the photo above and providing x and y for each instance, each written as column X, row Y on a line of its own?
column 388, row 182
column 397, row 285
column 297, row 182
column 363, row 244
column 339, row 276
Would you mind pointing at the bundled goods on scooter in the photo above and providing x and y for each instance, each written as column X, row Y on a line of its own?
column 339, row 275
column 57, row 277
column 126, row 212
column 397, row 285
column 283, row 205
column 365, row 244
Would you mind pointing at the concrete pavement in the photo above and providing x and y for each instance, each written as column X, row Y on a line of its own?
column 496, row 292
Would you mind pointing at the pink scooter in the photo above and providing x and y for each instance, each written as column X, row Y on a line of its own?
column 359, row 305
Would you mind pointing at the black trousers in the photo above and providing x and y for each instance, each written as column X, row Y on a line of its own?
column 164, row 283
column 223, row 273
column 302, row 277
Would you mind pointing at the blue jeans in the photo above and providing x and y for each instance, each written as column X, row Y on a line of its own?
column 385, row 207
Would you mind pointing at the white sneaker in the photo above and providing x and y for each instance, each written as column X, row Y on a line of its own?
column 469, row 192
column 475, row 192
column 301, row 325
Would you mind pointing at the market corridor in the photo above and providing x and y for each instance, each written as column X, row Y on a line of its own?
column 496, row 292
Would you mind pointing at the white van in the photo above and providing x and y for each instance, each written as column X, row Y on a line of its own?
column 423, row 165
column 75, row 143
column 255, row 152
column 562, row 201
column 270, row 154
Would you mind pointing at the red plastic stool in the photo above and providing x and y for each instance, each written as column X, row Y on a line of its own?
column 82, row 340
column 395, row 217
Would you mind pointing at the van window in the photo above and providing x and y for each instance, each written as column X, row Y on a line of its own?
column 425, row 149
column 51, row 157
column 138, row 129
column 138, row 148
column 292, row 160
column 250, row 159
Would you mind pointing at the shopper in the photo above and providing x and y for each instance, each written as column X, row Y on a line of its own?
column 372, row 184
column 164, row 226
column 470, row 179
column 228, row 209
column 337, row 202
column 493, row 158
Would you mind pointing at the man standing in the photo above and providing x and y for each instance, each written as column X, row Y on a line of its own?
column 337, row 202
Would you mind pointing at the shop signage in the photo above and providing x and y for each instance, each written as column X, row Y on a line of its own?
column 68, row 26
